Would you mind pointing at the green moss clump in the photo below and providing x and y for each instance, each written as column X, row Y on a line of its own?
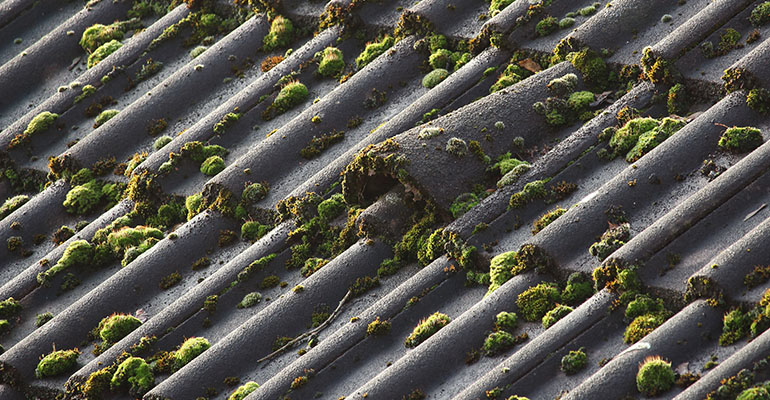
column 741, row 140
column 547, row 218
column 736, row 324
column 463, row 203
column 760, row 15
column 434, row 77
column 292, row 94
column 12, row 204
column 193, row 203
column 642, row 325
column 133, row 252
column 15, row 243
column 586, row 11
column 226, row 121
column 168, row 215
column 755, row 393
column 566, row 22
column 498, row 5
column 655, row 376
column 85, row 91
column 281, row 34
column 197, row 152
column 320, row 143
column 103, row 51
column 161, row 142
column 758, row 100
column 41, row 319
column 126, row 237
column 426, row 328
column 373, row 50
column 535, row 302
column 250, row 300
column 331, row 207
column 98, row 34
column 652, row 138
column 191, row 348
column 137, row 373
column 429, row 132
column 270, row 281
column 57, row 362
column 170, row 280
column 197, row 51
column 626, row 137
column 563, row 86
column 117, row 326
column 134, row 162
column 104, row 116
column 312, row 265
column 9, row 308
column 437, row 42
column 506, row 164
column 547, row 26
column 252, row 230
column 332, row 62
column 579, row 101
column 212, row 165
column 498, row 341
column 97, row 384
column 363, row 284
column 78, row 253
column 243, row 391
column 457, row 147
column 507, row 265
column 573, row 362
column 378, row 328
column 506, row 321
column 38, row 124
column 254, row 193
column 531, row 191
column 554, row 315
column 578, row 288
column 642, row 305
column 677, row 99
column 591, row 65
column 611, row 240
column 728, row 40
column 83, row 176
column 441, row 58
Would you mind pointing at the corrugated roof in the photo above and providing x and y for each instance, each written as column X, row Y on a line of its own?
column 598, row 169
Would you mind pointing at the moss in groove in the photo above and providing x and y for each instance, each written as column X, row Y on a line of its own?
column 426, row 328
column 12, row 204
column 137, row 373
column 760, row 15
column 40, row 123
column 191, row 348
column 318, row 144
column 740, row 140
column 536, row 301
column 374, row 50
column 655, row 376
column 57, row 362
column 331, row 63
column 98, row 34
column 103, row 51
column 281, row 34
column 574, row 361
column 243, row 391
